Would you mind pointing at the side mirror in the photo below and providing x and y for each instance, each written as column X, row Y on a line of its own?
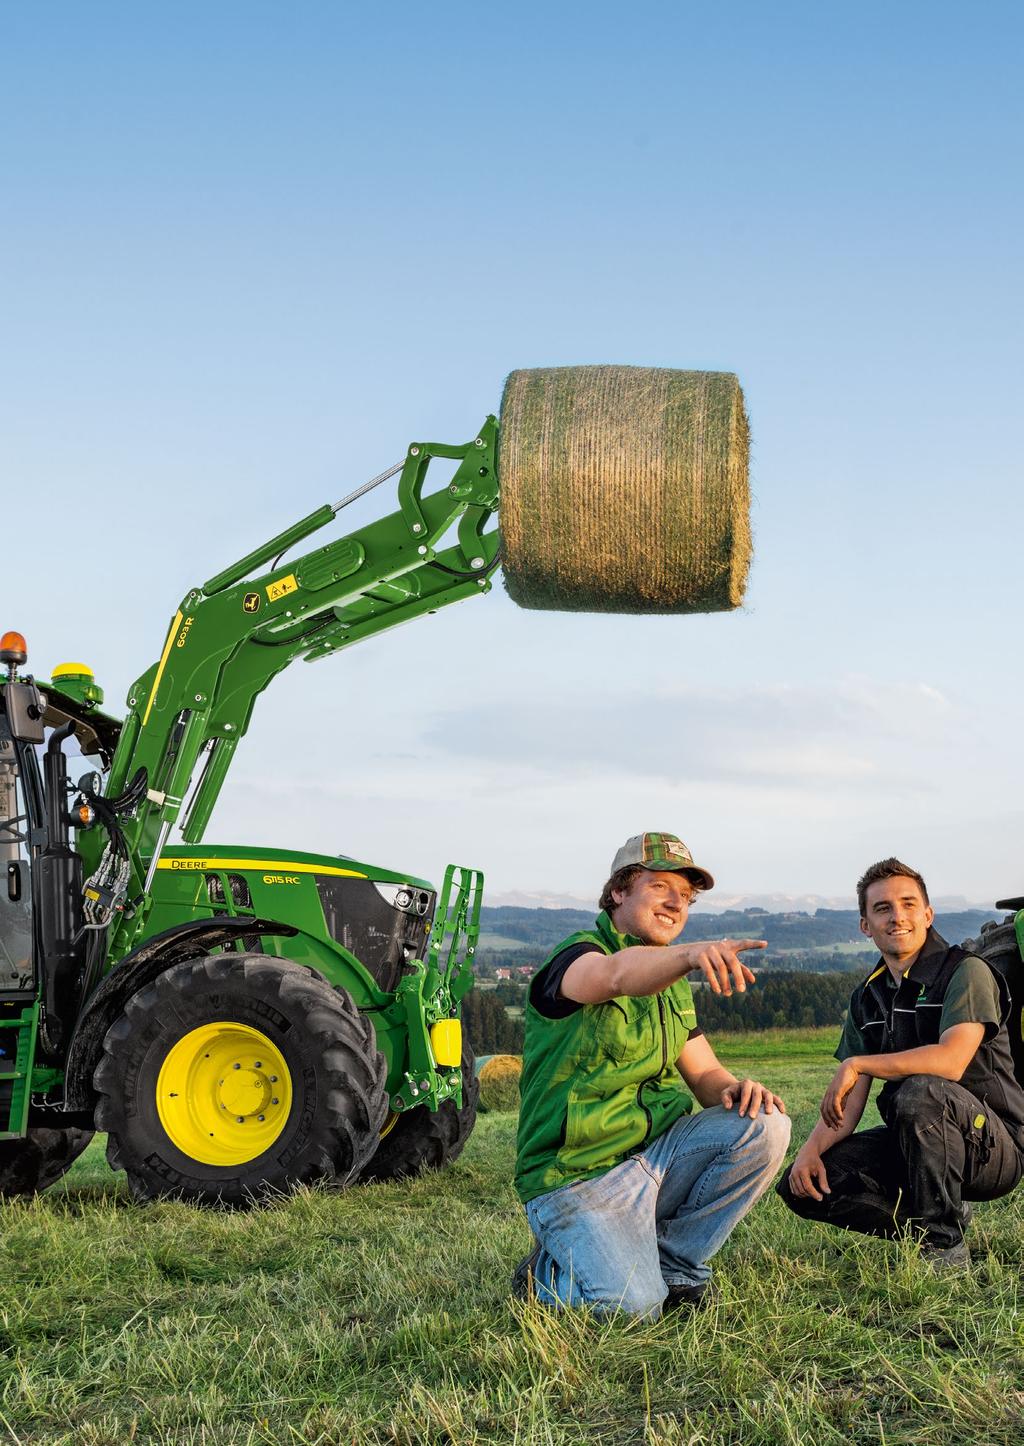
column 24, row 707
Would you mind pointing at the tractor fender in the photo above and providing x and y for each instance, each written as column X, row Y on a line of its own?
column 132, row 973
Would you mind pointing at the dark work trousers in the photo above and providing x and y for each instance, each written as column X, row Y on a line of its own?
column 941, row 1146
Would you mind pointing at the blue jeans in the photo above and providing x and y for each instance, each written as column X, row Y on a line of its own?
column 618, row 1241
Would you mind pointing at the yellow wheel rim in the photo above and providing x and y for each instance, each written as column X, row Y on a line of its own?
column 224, row 1093
column 389, row 1124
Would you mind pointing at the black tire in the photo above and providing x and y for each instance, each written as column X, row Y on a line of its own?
column 30, row 1165
column 424, row 1139
column 336, row 1076
column 998, row 944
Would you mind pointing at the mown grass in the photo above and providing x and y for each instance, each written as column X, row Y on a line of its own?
column 381, row 1315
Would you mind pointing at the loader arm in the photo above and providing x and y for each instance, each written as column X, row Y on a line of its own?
column 232, row 636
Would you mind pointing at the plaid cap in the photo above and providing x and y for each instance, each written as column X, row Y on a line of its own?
column 659, row 852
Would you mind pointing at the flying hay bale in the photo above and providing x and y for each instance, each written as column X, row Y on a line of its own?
column 624, row 489
column 499, row 1081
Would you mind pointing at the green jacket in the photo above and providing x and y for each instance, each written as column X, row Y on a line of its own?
column 600, row 1084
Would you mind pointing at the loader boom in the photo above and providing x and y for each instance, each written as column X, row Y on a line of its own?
column 230, row 637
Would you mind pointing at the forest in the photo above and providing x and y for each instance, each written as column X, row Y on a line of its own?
column 782, row 999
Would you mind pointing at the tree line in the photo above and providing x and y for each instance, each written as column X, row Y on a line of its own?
column 782, row 999
column 489, row 1027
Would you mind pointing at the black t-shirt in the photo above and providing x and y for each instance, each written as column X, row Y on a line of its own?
column 545, row 989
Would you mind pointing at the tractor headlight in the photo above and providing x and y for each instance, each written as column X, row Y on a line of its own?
column 404, row 897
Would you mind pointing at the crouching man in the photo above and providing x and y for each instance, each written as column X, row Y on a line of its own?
column 628, row 1192
column 930, row 1020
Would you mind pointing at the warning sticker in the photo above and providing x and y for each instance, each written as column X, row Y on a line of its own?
column 282, row 587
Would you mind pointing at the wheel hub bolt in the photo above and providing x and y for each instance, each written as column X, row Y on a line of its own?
column 236, row 1066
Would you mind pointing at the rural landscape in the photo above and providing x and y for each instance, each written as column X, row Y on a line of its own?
column 804, row 976
column 611, row 401
column 382, row 1315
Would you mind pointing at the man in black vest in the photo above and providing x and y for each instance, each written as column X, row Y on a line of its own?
column 930, row 1021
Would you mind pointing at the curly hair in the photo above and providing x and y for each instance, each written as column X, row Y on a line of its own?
column 622, row 880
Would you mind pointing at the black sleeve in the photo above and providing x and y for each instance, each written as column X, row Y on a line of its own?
column 545, row 986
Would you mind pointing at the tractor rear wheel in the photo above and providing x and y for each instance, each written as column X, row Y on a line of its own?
column 425, row 1139
column 234, row 1076
column 31, row 1164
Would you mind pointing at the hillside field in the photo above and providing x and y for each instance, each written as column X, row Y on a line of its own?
column 381, row 1315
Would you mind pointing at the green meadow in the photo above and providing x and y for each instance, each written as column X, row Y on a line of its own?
column 381, row 1315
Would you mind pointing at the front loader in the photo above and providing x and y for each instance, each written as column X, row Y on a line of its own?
column 239, row 1019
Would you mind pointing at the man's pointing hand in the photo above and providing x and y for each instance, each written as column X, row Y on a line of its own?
column 719, row 962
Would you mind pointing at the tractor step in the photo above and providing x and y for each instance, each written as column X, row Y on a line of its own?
column 16, row 1083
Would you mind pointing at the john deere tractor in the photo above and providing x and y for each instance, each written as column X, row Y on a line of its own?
column 242, row 1019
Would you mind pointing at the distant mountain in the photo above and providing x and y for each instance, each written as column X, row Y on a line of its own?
column 540, row 929
column 540, row 899
column 722, row 903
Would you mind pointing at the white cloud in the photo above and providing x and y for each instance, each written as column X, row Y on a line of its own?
column 852, row 734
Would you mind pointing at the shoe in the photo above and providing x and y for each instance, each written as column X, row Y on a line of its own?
column 948, row 1259
column 689, row 1297
column 522, row 1276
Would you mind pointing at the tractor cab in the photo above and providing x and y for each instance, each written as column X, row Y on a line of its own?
column 40, row 871
column 21, row 816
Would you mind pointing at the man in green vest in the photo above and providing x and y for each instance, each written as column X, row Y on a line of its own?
column 931, row 1021
column 628, row 1192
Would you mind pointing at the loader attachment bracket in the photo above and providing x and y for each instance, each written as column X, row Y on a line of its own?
column 428, row 998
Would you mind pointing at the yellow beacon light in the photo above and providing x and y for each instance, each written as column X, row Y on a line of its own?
column 78, row 681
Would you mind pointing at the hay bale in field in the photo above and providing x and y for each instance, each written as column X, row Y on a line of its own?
column 499, row 1081
column 624, row 489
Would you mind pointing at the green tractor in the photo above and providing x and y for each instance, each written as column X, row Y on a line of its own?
column 240, row 1020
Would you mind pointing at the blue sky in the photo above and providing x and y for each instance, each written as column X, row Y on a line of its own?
column 250, row 251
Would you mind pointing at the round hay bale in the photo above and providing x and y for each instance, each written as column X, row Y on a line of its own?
column 624, row 489
column 499, row 1081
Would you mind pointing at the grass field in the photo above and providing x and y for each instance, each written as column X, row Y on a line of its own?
column 381, row 1315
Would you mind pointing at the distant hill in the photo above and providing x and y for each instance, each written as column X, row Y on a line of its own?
column 509, row 927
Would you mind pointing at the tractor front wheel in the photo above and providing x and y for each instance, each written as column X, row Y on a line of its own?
column 234, row 1076
column 424, row 1139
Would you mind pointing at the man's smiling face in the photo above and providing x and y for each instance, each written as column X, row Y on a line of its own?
column 655, row 906
column 897, row 920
